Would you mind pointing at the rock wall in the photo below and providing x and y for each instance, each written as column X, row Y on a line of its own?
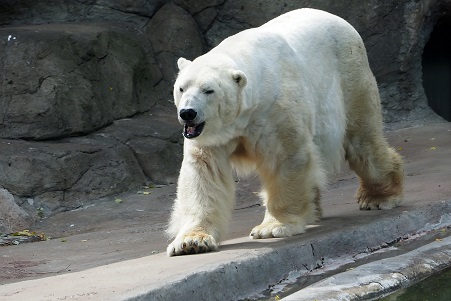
column 64, row 79
column 86, row 85
column 394, row 33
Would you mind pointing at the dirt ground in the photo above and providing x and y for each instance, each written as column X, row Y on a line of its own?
column 132, row 225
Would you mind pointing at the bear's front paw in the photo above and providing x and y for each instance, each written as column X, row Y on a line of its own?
column 276, row 229
column 192, row 243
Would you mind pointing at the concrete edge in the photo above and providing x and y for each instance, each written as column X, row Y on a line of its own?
column 377, row 279
column 239, row 270
column 253, row 272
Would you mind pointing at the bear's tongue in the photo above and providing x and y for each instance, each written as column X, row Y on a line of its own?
column 193, row 130
column 190, row 130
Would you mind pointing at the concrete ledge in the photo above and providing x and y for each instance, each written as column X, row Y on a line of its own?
column 380, row 277
column 240, row 269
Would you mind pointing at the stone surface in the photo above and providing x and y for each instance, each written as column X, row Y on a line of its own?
column 394, row 33
column 62, row 80
column 130, row 13
column 53, row 176
column 156, row 141
column 160, row 159
column 64, row 175
column 173, row 33
column 372, row 280
column 12, row 217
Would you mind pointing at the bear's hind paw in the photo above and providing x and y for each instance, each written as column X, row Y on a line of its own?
column 379, row 203
column 192, row 243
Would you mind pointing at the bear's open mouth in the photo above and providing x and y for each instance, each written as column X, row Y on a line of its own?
column 192, row 130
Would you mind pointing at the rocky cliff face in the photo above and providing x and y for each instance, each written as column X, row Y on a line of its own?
column 85, row 85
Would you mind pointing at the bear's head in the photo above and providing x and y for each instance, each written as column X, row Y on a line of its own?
column 208, row 95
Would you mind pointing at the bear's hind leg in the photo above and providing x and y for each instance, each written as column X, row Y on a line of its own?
column 380, row 171
column 291, row 196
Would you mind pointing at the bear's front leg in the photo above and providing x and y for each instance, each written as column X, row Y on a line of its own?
column 291, row 195
column 205, row 199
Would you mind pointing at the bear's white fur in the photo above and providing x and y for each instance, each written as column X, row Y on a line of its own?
column 289, row 100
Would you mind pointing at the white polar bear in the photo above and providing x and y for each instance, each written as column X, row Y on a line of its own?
column 289, row 100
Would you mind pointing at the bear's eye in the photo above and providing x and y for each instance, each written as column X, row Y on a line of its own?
column 181, row 89
column 209, row 91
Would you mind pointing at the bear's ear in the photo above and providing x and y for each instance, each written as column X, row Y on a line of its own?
column 182, row 62
column 239, row 77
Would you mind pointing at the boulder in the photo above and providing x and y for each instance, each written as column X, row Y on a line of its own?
column 159, row 159
column 204, row 12
column 64, row 80
column 156, row 141
column 128, row 13
column 12, row 217
column 52, row 176
column 66, row 174
column 173, row 33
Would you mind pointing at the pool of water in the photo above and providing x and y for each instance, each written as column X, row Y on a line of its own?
column 434, row 288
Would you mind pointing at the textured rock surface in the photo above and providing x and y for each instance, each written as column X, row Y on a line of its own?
column 50, row 176
column 156, row 141
column 11, row 215
column 61, row 80
column 174, row 33
column 65, row 174
column 84, row 84
column 394, row 32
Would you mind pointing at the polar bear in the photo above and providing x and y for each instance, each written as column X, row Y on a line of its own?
column 289, row 100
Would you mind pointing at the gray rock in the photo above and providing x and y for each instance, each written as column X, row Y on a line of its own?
column 66, row 174
column 12, row 217
column 159, row 159
column 52, row 176
column 394, row 33
column 155, row 139
column 174, row 33
column 60, row 80
column 136, row 8
column 205, row 18
column 129, row 13
column 196, row 7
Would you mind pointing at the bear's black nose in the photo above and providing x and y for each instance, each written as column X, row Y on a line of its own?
column 188, row 114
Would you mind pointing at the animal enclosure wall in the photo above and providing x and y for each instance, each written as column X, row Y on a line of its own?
column 436, row 62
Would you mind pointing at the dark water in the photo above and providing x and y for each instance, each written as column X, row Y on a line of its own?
column 435, row 288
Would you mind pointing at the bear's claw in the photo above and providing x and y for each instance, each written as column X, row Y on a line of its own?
column 276, row 229
column 379, row 203
column 192, row 243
